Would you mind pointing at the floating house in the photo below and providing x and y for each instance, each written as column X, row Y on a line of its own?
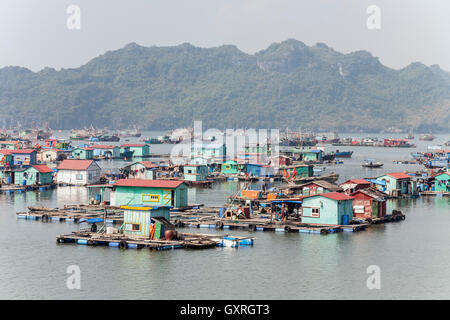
column 353, row 185
column 6, row 158
column 146, row 222
column 50, row 155
column 396, row 182
column 22, row 157
column 10, row 145
column 332, row 208
column 298, row 171
column 106, row 152
column 139, row 150
column 208, row 150
column 232, row 167
column 78, row 172
column 61, row 144
column 195, row 172
column 34, row 175
column 140, row 192
column 83, row 153
column 199, row 160
column 442, row 182
column 259, row 170
column 303, row 154
column 141, row 170
column 369, row 203
column 318, row 187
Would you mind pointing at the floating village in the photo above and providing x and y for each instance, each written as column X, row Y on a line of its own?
column 144, row 204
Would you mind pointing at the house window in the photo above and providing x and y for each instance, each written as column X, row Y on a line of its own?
column 315, row 212
column 79, row 177
column 150, row 198
column 136, row 227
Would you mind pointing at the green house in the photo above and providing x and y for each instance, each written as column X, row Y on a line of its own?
column 395, row 181
column 231, row 167
column 139, row 220
column 34, row 175
column 141, row 192
column 6, row 158
column 140, row 170
column 298, row 171
column 331, row 208
column 209, row 150
column 195, row 172
column 139, row 150
column 83, row 153
column 442, row 182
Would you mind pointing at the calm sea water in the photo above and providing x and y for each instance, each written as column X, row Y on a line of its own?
column 413, row 255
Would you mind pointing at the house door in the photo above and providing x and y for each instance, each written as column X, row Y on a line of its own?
column 37, row 178
column 173, row 199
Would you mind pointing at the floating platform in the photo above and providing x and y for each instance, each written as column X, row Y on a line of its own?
column 186, row 241
column 261, row 225
column 21, row 188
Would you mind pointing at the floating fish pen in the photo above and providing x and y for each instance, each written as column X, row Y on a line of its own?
column 74, row 214
column 265, row 225
column 184, row 240
column 21, row 188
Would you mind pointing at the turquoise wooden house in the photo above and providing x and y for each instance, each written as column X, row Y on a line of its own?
column 34, row 175
column 106, row 151
column 141, row 170
column 83, row 153
column 298, row 171
column 140, row 192
column 232, row 167
column 209, row 150
column 195, row 172
column 395, row 181
column 311, row 155
column 442, row 182
column 332, row 208
column 138, row 221
column 139, row 150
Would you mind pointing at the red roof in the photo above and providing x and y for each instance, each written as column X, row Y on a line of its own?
column 75, row 164
column 134, row 145
column 148, row 183
column 398, row 175
column 148, row 164
column 24, row 151
column 42, row 168
column 5, row 151
column 357, row 181
column 100, row 146
column 335, row 196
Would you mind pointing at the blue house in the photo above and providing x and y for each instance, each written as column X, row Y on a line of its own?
column 331, row 208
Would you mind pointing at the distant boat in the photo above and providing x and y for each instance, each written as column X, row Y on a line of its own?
column 343, row 154
column 372, row 163
column 427, row 137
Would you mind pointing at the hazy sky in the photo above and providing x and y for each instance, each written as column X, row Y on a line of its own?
column 33, row 33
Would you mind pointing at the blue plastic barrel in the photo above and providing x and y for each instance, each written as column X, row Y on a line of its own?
column 345, row 220
column 222, row 212
column 8, row 180
column 24, row 182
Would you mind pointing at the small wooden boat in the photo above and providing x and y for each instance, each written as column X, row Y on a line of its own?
column 371, row 163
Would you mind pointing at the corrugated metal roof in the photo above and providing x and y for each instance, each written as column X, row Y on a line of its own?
column 398, row 175
column 148, row 183
column 42, row 168
column 75, row 164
